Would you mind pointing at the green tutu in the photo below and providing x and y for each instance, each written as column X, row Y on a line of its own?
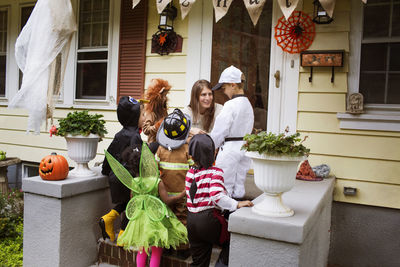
column 151, row 222
column 146, row 229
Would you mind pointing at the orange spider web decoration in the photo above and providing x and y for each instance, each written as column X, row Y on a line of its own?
column 295, row 34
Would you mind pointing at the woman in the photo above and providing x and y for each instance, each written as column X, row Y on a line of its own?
column 202, row 108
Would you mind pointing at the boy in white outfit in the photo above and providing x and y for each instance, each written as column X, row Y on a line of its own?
column 235, row 120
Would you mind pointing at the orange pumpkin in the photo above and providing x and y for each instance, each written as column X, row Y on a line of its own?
column 53, row 167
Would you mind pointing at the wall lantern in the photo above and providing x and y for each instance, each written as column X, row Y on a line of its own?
column 320, row 16
column 165, row 40
column 167, row 17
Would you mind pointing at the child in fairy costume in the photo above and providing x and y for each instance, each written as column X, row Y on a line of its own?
column 152, row 224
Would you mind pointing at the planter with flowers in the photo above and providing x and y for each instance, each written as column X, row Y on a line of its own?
column 82, row 131
column 275, row 160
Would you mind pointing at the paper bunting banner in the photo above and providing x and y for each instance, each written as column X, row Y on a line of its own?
column 186, row 5
column 221, row 8
column 287, row 6
column 161, row 4
column 329, row 6
column 254, row 7
column 134, row 3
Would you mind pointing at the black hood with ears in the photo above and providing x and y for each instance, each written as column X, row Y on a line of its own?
column 128, row 111
column 202, row 150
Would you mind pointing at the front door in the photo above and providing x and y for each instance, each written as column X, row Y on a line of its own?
column 270, row 73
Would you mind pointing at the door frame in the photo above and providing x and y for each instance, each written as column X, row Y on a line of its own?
column 282, row 101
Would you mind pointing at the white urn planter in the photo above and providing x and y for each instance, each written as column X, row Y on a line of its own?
column 82, row 149
column 274, row 175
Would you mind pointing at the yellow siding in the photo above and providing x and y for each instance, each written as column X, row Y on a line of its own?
column 322, row 102
column 366, row 160
column 30, row 147
column 361, row 169
column 321, row 83
column 170, row 67
column 374, row 194
column 328, row 123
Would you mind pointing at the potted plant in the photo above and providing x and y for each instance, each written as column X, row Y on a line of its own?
column 82, row 131
column 275, row 161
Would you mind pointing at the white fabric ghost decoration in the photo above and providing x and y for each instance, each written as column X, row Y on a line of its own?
column 41, row 52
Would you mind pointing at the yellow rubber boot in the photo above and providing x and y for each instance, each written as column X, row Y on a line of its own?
column 107, row 224
column 119, row 234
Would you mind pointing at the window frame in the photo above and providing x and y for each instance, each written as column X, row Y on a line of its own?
column 377, row 117
column 7, row 53
column 69, row 96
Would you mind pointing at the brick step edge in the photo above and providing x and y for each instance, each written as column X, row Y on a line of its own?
column 112, row 254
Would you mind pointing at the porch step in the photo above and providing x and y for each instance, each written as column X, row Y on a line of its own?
column 110, row 253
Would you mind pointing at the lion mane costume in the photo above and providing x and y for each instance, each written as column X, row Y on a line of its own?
column 156, row 107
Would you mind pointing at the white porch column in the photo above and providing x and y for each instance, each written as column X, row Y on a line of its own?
column 60, row 220
column 300, row 240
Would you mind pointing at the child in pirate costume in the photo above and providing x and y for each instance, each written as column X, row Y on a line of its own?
column 152, row 224
column 173, row 158
column 130, row 114
column 234, row 121
column 206, row 199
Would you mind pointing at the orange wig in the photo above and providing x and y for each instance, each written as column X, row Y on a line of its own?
column 156, row 94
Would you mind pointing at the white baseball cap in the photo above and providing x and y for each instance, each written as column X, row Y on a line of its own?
column 229, row 75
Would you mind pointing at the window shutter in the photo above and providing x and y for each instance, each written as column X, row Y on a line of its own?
column 132, row 49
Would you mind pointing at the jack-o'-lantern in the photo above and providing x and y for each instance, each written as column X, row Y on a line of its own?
column 53, row 167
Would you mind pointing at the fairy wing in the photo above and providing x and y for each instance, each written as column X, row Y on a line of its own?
column 152, row 207
column 148, row 164
column 122, row 173
column 148, row 168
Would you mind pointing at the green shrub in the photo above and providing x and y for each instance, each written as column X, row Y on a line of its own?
column 11, row 228
column 11, row 248
column 11, row 212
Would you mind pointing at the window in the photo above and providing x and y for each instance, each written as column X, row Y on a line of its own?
column 25, row 14
column 3, row 50
column 30, row 169
column 92, row 53
column 374, row 63
column 380, row 53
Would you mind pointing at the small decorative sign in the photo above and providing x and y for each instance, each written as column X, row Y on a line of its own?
column 355, row 103
column 322, row 59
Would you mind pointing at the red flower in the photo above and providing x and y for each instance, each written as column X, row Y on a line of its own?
column 53, row 130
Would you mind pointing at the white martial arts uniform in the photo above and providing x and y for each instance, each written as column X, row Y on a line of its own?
column 235, row 120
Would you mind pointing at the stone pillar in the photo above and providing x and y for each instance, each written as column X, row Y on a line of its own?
column 300, row 240
column 61, row 220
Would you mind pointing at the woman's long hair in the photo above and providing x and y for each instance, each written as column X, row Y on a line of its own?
column 195, row 104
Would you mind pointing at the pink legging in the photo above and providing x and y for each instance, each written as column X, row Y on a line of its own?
column 155, row 259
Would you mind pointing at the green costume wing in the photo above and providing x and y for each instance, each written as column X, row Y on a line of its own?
column 122, row 173
column 142, row 186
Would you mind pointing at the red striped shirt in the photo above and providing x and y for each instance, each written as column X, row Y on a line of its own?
column 210, row 188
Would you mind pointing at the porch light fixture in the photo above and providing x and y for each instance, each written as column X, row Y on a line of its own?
column 167, row 17
column 320, row 16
